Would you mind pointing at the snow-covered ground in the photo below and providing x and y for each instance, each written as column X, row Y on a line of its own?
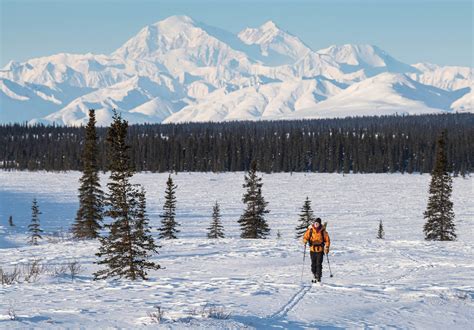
column 400, row 282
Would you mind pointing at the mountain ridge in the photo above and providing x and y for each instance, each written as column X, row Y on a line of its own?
column 196, row 72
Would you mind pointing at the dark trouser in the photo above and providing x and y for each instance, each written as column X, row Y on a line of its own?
column 317, row 263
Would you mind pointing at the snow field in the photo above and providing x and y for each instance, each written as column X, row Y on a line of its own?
column 400, row 282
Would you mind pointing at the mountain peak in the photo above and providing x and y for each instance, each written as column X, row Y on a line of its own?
column 175, row 20
column 356, row 54
column 158, row 38
column 425, row 66
column 269, row 25
column 10, row 65
column 272, row 40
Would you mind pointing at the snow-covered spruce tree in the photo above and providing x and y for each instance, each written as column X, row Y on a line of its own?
column 168, row 229
column 216, row 230
column 34, row 226
column 381, row 232
column 306, row 218
column 252, row 221
column 439, row 213
column 90, row 213
column 126, row 250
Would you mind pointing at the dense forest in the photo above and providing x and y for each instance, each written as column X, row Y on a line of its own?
column 359, row 145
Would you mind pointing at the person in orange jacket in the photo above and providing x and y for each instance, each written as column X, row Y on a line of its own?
column 318, row 239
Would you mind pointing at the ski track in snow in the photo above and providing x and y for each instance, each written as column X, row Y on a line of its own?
column 400, row 282
column 292, row 302
column 411, row 271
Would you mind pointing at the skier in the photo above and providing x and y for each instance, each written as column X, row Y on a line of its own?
column 318, row 239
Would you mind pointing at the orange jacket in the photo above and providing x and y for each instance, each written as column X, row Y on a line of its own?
column 316, row 238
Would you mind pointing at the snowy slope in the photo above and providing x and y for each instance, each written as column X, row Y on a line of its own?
column 198, row 64
column 447, row 77
column 466, row 102
column 384, row 94
column 20, row 102
column 140, row 100
column 369, row 59
column 268, row 101
column 89, row 70
column 401, row 282
column 314, row 64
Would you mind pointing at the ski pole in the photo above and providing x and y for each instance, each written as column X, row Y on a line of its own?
column 329, row 265
column 304, row 257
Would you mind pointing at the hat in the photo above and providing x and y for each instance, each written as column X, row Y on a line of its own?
column 318, row 220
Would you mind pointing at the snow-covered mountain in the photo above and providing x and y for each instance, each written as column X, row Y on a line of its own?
column 446, row 77
column 16, row 98
column 266, row 101
column 182, row 70
column 383, row 94
column 140, row 99
column 178, row 44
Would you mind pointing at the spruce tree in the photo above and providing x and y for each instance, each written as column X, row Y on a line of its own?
column 34, row 226
column 10, row 221
column 252, row 221
column 89, row 215
column 143, row 243
column 381, row 232
column 216, row 230
column 127, row 248
column 278, row 234
column 439, row 213
column 306, row 218
column 168, row 229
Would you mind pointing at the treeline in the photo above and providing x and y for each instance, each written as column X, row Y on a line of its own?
column 119, row 218
column 358, row 145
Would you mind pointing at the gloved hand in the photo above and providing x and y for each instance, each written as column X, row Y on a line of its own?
column 326, row 250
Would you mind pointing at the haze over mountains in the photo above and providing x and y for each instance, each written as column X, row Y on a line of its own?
column 180, row 70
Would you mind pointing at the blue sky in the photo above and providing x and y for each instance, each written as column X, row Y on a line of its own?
column 412, row 31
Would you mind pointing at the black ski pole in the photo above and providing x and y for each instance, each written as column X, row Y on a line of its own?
column 329, row 265
column 304, row 257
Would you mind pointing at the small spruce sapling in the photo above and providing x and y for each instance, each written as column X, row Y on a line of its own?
column 381, row 232
column 216, row 230
column 168, row 229
column 34, row 226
